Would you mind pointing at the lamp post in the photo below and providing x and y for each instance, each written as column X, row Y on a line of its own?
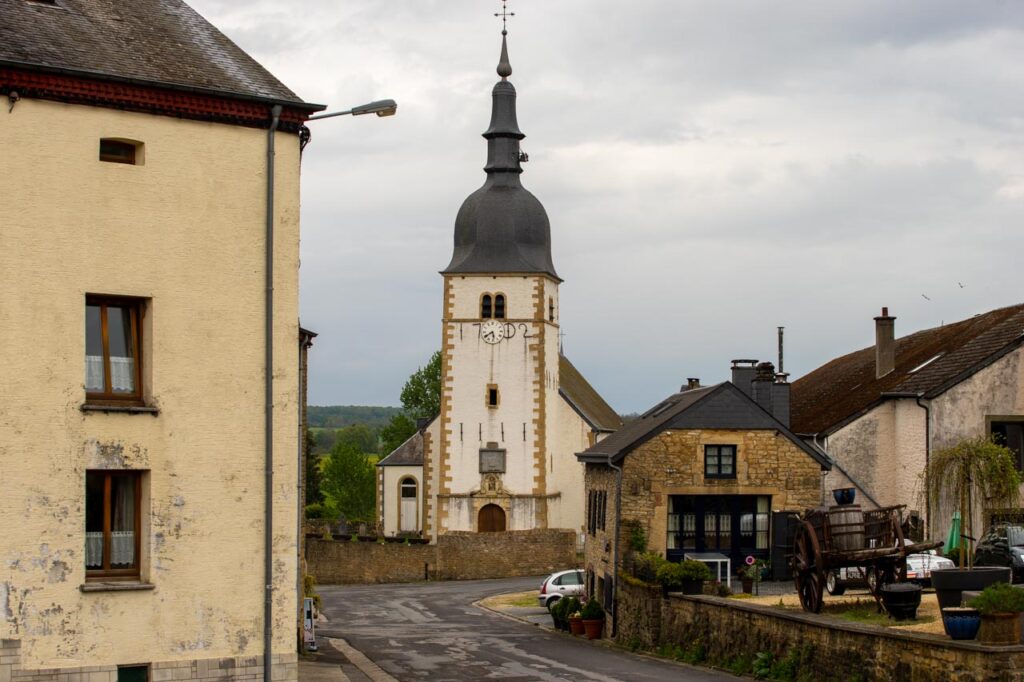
column 383, row 107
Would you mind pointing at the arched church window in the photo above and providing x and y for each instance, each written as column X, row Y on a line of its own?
column 485, row 306
column 499, row 306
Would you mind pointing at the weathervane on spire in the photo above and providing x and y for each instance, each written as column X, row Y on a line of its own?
column 504, row 14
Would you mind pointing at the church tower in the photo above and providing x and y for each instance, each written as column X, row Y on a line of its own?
column 493, row 466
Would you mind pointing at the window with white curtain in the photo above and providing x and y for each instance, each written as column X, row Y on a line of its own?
column 113, row 339
column 113, row 517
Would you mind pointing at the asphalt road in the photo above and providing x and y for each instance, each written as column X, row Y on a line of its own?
column 432, row 631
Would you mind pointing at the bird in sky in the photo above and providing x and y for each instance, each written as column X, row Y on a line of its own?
column 925, row 297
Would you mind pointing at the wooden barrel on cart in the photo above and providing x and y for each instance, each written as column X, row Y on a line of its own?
column 846, row 527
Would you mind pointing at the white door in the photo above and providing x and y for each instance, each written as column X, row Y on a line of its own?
column 407, row 520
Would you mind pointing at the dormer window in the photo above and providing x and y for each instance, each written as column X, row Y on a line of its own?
column 499, row 306
column 486, row 308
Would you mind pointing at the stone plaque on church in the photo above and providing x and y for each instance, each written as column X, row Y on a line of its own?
column 492, row 461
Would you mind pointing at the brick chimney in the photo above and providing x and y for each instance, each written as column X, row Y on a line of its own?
column 885, row 344
column 762, row 385
column 743, row 373
column 691, row 383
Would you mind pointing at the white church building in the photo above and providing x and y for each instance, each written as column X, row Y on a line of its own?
column 514, row 411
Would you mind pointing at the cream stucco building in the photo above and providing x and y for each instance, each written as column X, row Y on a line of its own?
column 880, row 412
column 514, row 411
column 133, row 431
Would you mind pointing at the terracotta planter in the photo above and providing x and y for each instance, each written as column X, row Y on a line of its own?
column 1000, row 628
column 592, row 628
column 576, row 625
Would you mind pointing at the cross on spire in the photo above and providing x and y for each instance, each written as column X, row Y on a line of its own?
column 504, row 14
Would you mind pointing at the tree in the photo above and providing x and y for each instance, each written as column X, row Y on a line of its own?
column 348, row 483
column 974, row 472
column 359, row 435
column 313, row 493
column 396, row 433
column 421, row 395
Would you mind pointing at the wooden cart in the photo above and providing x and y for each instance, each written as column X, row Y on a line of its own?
column 846, row 537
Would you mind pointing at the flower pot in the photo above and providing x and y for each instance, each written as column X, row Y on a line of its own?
column 949, row 583
column 901, row 600
column 1000, row 628
column 693, row 586
column 576, row 625
column 748, row 585
column 844, row 495
column 961, row 622
column 592, row 628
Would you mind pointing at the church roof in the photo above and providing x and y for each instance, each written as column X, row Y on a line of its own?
column 928, row 363
column 156, row 42
column 582, row 397
column 409, row 453
column 501, row 227
column 723, row 406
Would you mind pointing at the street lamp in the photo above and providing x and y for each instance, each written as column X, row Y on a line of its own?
column 384, row 107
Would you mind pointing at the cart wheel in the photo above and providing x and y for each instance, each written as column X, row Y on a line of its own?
column 833, row 585
column 807, row 571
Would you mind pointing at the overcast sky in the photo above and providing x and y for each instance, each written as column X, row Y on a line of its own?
column 712, row 170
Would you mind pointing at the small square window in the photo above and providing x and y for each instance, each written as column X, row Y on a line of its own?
column 113, row 516
column 720, row 461
column 1010, row 434
column 119, row 151
column 113, row 341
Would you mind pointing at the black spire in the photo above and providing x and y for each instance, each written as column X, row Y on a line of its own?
column 502, row 228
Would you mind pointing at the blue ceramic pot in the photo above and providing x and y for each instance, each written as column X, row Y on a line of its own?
column 844, row 495
column 961, row 623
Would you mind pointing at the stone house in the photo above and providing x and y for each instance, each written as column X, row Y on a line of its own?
column 879, row 412
column 702, row 471
column 139, row 515
column 514, row 411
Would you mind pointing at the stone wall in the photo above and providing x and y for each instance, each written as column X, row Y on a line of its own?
column 723, row 631
column 456, row 556
column 284, row 668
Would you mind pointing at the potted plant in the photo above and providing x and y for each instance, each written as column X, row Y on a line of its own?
column 961, row 622
column 974, row 472
column 752, row 573
column 844, row 496
column 560, row 614
column 693, row 574
column 593, row 619
column 572, row 608
column 1000, row 606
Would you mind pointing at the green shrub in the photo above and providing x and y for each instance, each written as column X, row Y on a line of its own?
column 670, row 576
column 572, row 606
column 723, row 590
column 695, row 570
column 954, row 555
column 762, row 665
column 592, row 610
column 999, row 598
column 645, row 566
column 309, row 589
column 637, row 537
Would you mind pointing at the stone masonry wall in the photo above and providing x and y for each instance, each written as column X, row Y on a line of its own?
column 456, row 556
column 284, row 668
column 820, row 648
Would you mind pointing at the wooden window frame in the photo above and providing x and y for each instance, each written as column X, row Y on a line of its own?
column 718, row 463
column 107, row 573
column 136, row 308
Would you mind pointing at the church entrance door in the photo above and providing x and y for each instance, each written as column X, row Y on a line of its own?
column 492, row 519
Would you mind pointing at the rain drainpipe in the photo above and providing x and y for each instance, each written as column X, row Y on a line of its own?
column 268, row 409
column 615, row 552
column 927, row 458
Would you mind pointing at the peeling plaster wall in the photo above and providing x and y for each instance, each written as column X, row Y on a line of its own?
column 184, row 230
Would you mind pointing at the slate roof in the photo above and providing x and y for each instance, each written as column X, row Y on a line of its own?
column 830, row 396
column 723, row 406
column 160, row 42
column 409, row 453
column 582, row 397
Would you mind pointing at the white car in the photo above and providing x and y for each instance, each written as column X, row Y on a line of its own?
column 919, row 570
column 562, row 584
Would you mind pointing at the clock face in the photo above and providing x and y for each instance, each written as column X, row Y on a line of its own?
column 492, row 331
